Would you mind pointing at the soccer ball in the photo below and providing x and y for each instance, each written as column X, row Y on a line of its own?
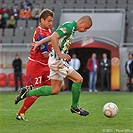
column 110, row 110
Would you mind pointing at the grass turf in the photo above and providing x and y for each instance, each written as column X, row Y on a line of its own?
column 52, row 115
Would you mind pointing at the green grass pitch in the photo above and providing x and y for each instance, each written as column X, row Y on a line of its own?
column 52, row 115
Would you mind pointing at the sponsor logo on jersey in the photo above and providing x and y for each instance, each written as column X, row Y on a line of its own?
column 63, row 30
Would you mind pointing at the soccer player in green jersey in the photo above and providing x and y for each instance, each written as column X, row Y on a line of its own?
column 59, row 68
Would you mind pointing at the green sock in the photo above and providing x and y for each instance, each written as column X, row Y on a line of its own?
column 76, row 88
column 41, row 91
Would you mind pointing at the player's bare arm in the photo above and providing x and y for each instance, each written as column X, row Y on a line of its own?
column 43, row 41
column 54, row 39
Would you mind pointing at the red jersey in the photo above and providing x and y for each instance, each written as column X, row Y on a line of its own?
column 37, row 55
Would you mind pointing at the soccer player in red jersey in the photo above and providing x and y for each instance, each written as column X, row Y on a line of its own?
column 37, row 70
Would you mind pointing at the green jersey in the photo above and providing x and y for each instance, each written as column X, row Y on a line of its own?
column 66, row 32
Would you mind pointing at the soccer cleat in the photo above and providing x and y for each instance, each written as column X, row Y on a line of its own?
column 79, row 111
column 21, row 117
column 30, row 87
column 22, row 94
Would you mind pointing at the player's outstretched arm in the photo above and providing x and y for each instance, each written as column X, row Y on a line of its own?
column 43, row 41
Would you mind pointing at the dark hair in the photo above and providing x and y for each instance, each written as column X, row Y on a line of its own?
column 15, row 4
column 45, row 13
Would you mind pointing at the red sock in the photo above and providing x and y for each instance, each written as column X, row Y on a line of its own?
column 27, row 103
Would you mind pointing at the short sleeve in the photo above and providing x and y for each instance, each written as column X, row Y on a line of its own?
column 35, row 36
column 64, row 29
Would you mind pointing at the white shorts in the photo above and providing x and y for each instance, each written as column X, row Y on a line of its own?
column 59, row 69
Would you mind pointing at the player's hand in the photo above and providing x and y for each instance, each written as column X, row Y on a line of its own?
column 34, row 45
column 65, row 57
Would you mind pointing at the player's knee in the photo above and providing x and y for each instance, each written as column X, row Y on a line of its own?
column 80, row 79
column 55, row 92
